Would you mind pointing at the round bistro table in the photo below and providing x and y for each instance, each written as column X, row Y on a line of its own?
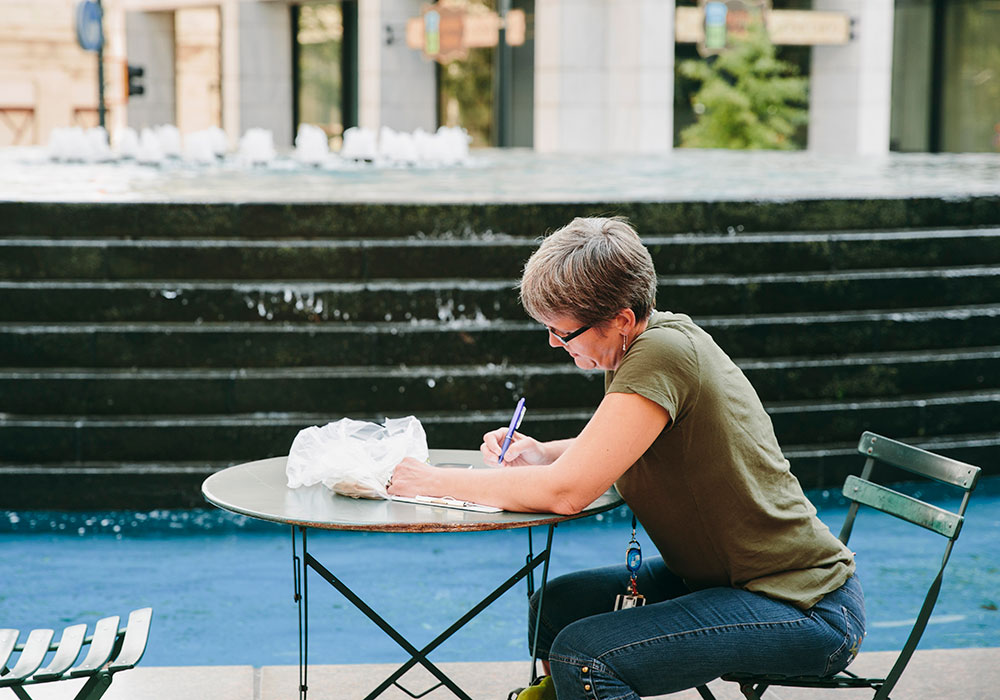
column 259, row 490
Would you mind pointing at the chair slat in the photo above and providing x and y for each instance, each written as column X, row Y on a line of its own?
column 136, row 635
column 918, row 461
column 31, row 656
column 936, row 519
column 8, row 638
column 101, row 647
column 70, row 644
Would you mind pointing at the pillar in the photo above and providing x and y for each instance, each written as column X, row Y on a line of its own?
column 851, row 85
column 257, row 69
column 397, row 85
column 604, row 76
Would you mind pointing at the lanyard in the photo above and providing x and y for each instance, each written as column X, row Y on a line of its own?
column 633, row 559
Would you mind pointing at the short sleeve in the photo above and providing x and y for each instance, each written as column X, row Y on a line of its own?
column 662, row 366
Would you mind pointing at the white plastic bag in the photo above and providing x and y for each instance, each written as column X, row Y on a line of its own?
column 354, row 458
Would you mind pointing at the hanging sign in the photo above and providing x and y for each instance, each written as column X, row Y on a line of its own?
column 712, row 24
column 447, row 32
column 808, row 28
column 725, row 20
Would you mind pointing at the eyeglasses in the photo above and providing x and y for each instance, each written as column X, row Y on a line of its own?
column 564, row 339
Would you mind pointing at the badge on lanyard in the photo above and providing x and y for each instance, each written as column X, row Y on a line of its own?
column 633, row 560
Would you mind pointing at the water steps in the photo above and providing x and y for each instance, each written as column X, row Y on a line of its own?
column 144, row 346
column 497, row 257
column 196, row 391
column 245, row 437
column 450, row 299
column 280, row 344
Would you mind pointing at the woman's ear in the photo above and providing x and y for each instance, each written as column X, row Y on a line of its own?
column 625, row 320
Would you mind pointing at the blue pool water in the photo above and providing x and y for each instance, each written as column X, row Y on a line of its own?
column 221, row 585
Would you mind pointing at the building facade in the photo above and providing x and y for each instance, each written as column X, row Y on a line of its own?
column 591, row 76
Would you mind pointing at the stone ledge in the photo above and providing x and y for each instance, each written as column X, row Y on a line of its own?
column 933, row 674
column 450, row 220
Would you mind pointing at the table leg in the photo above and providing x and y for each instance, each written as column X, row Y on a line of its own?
column 302, row 600
column 416, row 655
column 541, row 601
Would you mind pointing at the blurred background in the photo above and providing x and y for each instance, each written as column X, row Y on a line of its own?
column 588, row 76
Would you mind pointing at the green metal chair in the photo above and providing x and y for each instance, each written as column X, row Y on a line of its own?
column 125, row 645
column 862, row 491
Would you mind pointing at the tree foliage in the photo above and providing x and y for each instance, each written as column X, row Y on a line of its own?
column 748, row 99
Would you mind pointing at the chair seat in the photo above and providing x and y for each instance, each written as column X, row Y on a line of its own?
column 840, row 680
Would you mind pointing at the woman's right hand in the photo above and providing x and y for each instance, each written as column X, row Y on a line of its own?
column 523, row 450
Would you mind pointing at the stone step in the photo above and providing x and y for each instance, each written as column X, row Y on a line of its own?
column 492, row 258
column 104, row 483
column 451, row 299
column 356, row 390
column 242, row 437
column 464, row 342
column 451, row 220
column 826, row 466
column 342, row 220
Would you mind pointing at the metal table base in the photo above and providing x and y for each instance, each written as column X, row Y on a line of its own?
column 260, row 490
column 301, row 565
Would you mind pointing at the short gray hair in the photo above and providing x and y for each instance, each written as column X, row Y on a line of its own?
column 590, row 270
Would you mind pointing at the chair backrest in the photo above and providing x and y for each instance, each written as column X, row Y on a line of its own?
column 862, row 491
column 125, row 645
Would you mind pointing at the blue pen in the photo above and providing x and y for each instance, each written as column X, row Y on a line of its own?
column 515, row 423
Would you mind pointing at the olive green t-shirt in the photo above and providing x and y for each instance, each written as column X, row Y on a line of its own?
column 714, row 491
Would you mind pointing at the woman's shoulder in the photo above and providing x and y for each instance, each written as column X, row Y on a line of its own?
column 668, row 344
column 662, row 364
column 669, row 319
column 670, row 330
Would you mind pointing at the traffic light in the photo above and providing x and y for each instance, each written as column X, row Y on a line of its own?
column 133, row 78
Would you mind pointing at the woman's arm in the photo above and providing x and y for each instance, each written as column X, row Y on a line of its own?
column 620, row 431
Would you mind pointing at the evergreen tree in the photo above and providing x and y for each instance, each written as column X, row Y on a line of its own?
column 748, row 99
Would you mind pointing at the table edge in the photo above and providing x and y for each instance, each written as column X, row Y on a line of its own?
column 543, row 518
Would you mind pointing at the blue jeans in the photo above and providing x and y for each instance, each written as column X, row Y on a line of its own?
column 681, row 639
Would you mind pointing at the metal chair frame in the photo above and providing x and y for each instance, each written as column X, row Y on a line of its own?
column 126, row 646
column 862, row 491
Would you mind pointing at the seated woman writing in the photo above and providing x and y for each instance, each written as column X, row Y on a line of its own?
column 749, row 579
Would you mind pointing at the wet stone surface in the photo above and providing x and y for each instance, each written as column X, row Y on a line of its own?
column 509, row 176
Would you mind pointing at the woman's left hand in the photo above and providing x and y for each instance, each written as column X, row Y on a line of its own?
column 411, row 477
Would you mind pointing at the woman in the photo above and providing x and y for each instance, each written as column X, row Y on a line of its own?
column 749, row 579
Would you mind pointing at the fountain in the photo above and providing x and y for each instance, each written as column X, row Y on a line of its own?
column 172, row 305
column 162, row 144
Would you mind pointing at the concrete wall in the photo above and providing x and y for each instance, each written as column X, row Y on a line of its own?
column 197, row 34
column 149, row 41
column 604, row 76
column 851, row 85
column 257, row 69
column 397, row 84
